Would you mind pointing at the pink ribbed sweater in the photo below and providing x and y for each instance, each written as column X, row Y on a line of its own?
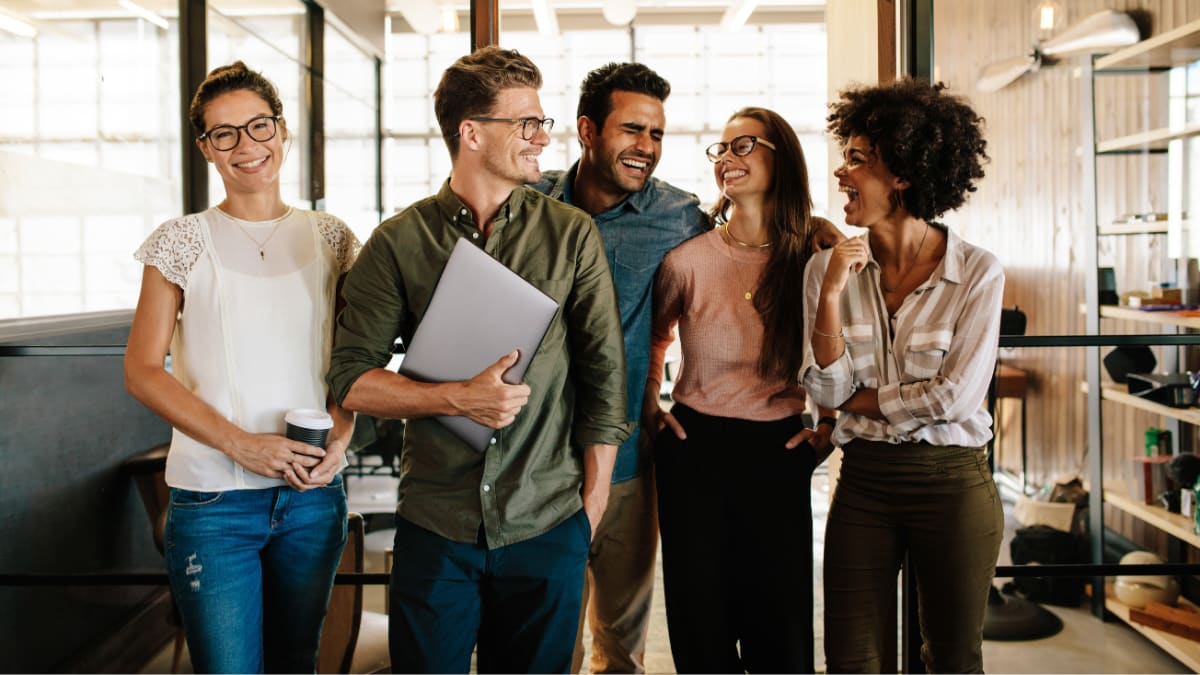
column 701, row 288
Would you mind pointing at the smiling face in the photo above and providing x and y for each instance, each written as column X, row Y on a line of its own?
column 626, row 151
column 750, row 175
column 867, row 183
column 506, row 155
column 250, row 166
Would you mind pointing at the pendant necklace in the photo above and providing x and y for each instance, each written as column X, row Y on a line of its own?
column 730, row 240
column 262, row 245
column 904, row 277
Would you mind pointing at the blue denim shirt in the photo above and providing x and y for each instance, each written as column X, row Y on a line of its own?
column 637, row 234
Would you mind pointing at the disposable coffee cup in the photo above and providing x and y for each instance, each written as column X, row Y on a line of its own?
column 308, row 425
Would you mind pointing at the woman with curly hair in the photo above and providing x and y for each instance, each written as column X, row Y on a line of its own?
column 734, row 458
column 904, row 325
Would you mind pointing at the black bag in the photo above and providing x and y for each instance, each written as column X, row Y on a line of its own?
column 1047, row 546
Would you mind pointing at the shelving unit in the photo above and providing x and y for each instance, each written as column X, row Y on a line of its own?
column 1176, row 525
column 1187, row 651
column 1163, row 54
column 1173, row 319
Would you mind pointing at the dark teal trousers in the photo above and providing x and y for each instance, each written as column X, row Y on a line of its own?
column 938, row 505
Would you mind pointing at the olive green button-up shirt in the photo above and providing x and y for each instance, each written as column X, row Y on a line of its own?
column 529, row 480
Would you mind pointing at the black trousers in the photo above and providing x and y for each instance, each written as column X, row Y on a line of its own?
column 736, row 524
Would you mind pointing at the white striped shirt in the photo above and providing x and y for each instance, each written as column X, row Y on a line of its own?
column 932, row 362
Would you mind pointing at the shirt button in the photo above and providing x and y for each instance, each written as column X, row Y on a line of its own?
column 487, row 488
column 493, row 441
column 463, row 212
column 474, row 235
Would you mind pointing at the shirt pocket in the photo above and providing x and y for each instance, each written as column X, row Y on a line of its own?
column 927, row 351
column 860, row 343
column 634, row 258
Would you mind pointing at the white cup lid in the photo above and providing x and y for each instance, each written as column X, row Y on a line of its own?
column 309, row 418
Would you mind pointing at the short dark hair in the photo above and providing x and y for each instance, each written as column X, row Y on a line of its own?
column 933, row 140
column 471, row 85
column 595, row 94
column 224, row 79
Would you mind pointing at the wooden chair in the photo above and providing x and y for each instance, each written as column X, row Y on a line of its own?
column 148, row 470
column 339, row 636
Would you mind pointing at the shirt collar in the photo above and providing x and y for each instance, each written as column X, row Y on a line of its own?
column 457, row 211
column 637, row 201
column 952, row 264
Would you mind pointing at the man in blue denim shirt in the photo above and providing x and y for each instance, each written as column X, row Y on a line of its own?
column 620, row 124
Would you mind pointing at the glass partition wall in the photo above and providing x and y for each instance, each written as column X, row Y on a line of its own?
column 92, row 137
column 713, row 72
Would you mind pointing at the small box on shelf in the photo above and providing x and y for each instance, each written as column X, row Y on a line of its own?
column 1153, row 479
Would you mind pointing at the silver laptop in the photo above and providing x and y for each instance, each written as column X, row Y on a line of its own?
column 480, row 311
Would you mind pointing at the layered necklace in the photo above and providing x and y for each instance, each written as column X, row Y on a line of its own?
column 904, row 277
column 732, row 241
column 262, row 245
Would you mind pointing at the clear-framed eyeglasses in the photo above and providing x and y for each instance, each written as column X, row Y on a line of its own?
column 227, row 136
column 529, row 125
column 739, row 146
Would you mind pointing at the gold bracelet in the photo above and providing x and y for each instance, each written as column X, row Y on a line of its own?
column 836, row 336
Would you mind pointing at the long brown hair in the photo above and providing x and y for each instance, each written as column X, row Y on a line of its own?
column 780, row 293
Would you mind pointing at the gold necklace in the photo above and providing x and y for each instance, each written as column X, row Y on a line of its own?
column 916, row 260
column 741, row 243
column 737, row 266
column 262, row 245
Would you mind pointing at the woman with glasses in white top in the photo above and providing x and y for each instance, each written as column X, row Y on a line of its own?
column 905, row 324
column 733, row 458
column 242, row 295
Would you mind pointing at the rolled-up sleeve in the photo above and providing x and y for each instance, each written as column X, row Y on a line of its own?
column 369, row 323
column 597, row 348
column 832, row 385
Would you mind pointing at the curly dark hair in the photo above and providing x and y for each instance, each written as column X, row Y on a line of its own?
column 595, row 94
column 931, row 139
column 224, row 79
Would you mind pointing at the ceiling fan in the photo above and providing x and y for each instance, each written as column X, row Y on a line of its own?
column 1099, row 32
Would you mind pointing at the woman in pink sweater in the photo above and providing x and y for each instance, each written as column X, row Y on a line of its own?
column 733, row 457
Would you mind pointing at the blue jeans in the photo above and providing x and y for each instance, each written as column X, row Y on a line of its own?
column 520, row 603
column 251, row 572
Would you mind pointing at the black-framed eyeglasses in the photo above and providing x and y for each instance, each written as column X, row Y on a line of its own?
column 227, row 136
column 739, row 146
column 529, row 125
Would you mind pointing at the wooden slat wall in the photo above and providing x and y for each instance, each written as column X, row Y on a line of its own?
column 1029, row 211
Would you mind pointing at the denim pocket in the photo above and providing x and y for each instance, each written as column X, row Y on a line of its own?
column 192, row 498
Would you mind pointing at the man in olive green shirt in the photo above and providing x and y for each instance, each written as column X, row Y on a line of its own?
column 491, row 547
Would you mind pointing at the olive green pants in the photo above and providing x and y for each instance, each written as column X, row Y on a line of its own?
column 938, row 505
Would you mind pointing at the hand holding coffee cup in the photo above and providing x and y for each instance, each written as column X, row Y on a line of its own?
column 308, row 425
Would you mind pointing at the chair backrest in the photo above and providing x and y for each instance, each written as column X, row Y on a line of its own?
column 339, row 636
column 1012, row 321
column 148, row 470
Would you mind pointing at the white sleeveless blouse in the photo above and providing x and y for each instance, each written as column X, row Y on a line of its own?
column 254, row 334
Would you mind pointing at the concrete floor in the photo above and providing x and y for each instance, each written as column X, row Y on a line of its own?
column 1085, row 645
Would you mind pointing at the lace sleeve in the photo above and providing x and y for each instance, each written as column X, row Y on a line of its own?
column 339, row 237
column 173, row 248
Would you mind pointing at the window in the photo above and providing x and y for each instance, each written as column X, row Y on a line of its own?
column 712, row 74
column 89, row 157
column 351, row 151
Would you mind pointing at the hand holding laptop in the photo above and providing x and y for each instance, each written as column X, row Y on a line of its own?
column 488, row 399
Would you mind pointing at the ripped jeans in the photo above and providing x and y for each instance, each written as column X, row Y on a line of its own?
column 251, row 572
